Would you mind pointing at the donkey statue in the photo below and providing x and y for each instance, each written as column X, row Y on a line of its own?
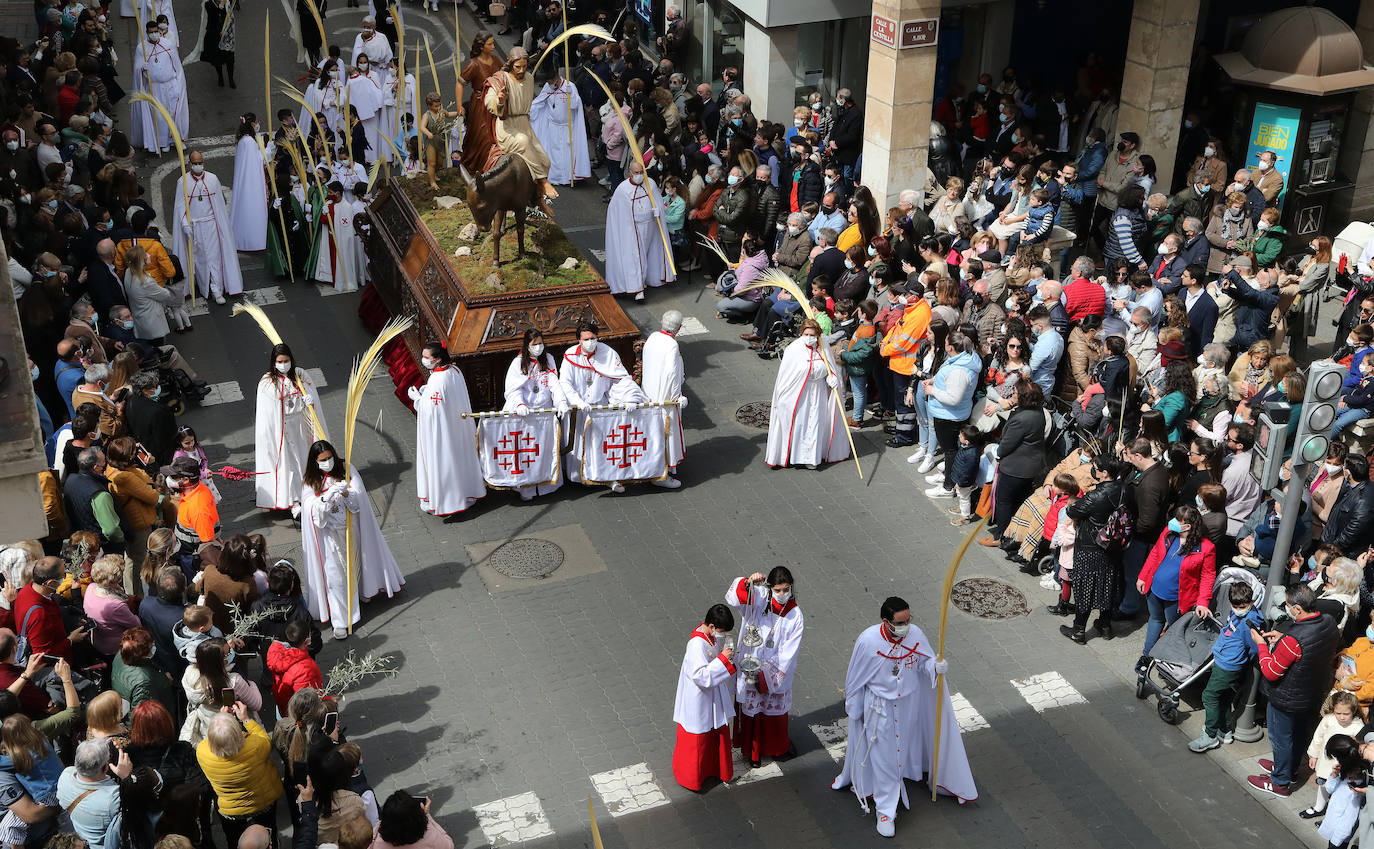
column 507, row 186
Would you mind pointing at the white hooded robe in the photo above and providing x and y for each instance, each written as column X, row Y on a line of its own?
column 448, row 477
column 536, row 389
column 249, row 215
column 663, row 374
column 805, row 425
column 158, row 71
column 284, row 434
column 207, row 225
column 323, row 531
column 587, row 380
column 635, row 239
column 549, row 118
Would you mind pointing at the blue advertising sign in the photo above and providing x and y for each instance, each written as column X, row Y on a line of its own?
column 1274, row 128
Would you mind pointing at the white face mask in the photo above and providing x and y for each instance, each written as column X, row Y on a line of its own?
column 589, row 346
column 1010, row 304
column 1332, row 470
column 536, row 349
column 782, row 597
column 327, row 465
column 1209, row 151
column 637, row 179
column 899, row 631
column 154, row 38
column 12, row 144
column 197, row 168
column 427, row 362
column 173, row 483
column 282, row 368
column 810, row 341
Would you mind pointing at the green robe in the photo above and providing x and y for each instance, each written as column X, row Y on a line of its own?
column 315, row 197
column 276, row 261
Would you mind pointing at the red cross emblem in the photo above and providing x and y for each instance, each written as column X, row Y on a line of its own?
column 437, row 398
column 622, row 442
column 514, row 450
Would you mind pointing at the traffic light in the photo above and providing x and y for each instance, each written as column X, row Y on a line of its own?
column 1271, row 435
column 1324, row 380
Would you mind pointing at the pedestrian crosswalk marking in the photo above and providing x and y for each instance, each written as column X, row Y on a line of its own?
column 691, row 326
column 1047, row 690
column 317, row 375
column 264, row 297
column 512, row 820
column 628, row 789
column 600, row 255
column 745, row 774
column 832, row 736
column 222, row 393
column 964, row 711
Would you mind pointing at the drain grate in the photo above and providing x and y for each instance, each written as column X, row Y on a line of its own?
column 755, row 414
column 526, row 558
column 988, row 598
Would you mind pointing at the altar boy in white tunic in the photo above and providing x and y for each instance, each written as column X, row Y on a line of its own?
column 805, row 427
column 663, row 374
column 635, row 236
column 205, row 225
column 326, row 502
column 549, row 118
column 705, row 703
column 762, row 698
column 588, row 373
column 448, row 478
column 889, row 695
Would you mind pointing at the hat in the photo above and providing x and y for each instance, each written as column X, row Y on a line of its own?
column 993, row 256
column 1172, row 351
column 181, row 467
column 80, row 123
column 1241, row 263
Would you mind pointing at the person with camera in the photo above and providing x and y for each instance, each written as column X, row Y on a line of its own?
column 1296, row 669
column 37, row 613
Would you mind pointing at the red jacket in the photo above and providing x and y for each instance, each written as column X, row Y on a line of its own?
column 1084, row 297
column 292, row 670
column 1195, row 576
column 46, row 633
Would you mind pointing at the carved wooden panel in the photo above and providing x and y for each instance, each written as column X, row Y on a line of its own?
column 549, row 319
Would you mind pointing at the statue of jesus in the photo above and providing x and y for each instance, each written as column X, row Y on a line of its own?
column 508, row 95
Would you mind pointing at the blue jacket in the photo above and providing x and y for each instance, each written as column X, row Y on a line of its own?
column 965, row 471
column 68, row 377
column 1235, row 648
column 1171, row 280
column 1039, row 224
column 1352, row 377
column 1089, row 166
column 958, row 412
column 1254, row 308
column 1202, row 323
column 1196, row 251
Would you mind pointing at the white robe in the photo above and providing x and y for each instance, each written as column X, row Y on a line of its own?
column 209, row 228
column 549, row 117
column 587, row 381
column 249, row 215
column 784, row 632
column 705, row 697
column 892, row 722
column 635, row 238
column 284, row 434
column 377, row 48
column 663, row 374
column 448, row 478
column 365, row 95
column 323, row 528
column 349, row 177
column 158, row 71
column 391, row 122
column 537, row 390
column 345, row 267
column 805, row 425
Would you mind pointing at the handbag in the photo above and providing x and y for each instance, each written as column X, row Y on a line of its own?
column 1117, row 530
column 984, row 508
column 496, row 10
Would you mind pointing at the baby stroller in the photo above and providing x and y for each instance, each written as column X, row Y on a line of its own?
column 779, row 333
column 1183, row 653
column 177, row 387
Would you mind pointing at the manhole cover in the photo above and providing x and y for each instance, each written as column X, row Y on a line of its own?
column 526, row 558
column 755, row 414
column 989, row 599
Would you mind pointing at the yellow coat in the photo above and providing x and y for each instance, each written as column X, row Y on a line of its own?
column 246, row 783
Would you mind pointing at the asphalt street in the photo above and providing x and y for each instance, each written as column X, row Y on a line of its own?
column 512, row 707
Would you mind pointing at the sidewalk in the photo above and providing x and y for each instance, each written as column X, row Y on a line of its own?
column 16, row 21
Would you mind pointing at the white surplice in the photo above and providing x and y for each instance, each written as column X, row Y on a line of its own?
column 663, row 375
column 890, row 699
column 158, row 71
column 780, row 627
column 249, row 215
column 284, row 434
column 635, row 239
column 805, row 425
column 448, row 478
column 549, row 118
column 325, row 574
column 537, row 387
column 587, row 380
column 705, row 693
column 207, row 225
column 342, row 260
column 365, row 94
column 377, row 48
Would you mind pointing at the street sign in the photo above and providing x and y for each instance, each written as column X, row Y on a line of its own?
column 884, row 31
column 921, row 33
column 1309, row 220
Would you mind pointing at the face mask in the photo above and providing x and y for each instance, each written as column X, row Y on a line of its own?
column 427, row 363
column 900, row 631
column 173, row 483
column 793, row 230
column 13, row 144
column 982, row 89
column 827, row 210
column 128, row 325
column 1262, row 226
column 1200, row 506
column 1209, row 151
column 197, row 168
column 536, row 349
column 849, row 264
column 1264, row 166
column 157, row 393
column 589, row 346
column 52, row 207
column 1285, row 474
column 738, row 122
column 1202, row 190
column 1176, row 526
column 782, row 597
column 25, row 199
column 1084, row 458
column 282, row 368
column 362, row 67
column 327, row 465
column 733, row 179
column 154, row 38
column 1121, row 147
column 637, row 179
column 33, row 373
column 872, row 251
column 810, row 341
column 1010, row 304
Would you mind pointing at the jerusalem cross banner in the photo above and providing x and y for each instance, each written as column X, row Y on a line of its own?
column 519, row 450
column 619, row 445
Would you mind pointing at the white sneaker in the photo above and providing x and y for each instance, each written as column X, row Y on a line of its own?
column 918, row 455
column 1047, row 582
column 604, row 182
column 936, row 476
column 928, row 465
column 617, row 487
column 219, row 299
column 639, row 296
column 668, row 483
column 340, row 633
column 940, row 492
column 885, row 825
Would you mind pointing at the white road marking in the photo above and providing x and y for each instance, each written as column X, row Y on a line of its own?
column 326, row 290
column 833, row 737
column 512, row 820
column 600, row 255
column 745, row 774
column 628, row 789
column 222, row 393
column 265, row 296
column 964, row 711
column 1048, row 690
column 317, row 375
column 691, row 326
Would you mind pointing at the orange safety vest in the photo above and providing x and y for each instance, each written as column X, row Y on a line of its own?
column 904, row 339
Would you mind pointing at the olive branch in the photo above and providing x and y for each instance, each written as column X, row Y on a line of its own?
column 245, row 621
column 352, row 669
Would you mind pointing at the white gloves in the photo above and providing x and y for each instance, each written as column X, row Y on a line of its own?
column 941, row 667
column 307, row 209
column 522, row 410
column 308, row 400
column 563, row 408
column 631, row 406
column 276, row 203
column 682, row 402
column 414, row 393
column 831, row 381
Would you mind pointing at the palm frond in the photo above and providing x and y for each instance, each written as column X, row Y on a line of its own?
column 714, row 247
column 774, row 277
column 590, row 30
column 145, row 97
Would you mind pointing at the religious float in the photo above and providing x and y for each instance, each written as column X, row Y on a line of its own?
column 427, row 264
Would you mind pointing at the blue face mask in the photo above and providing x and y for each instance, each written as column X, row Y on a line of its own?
column 738, row 122
column 872, row 251
column 733, row 179
column 157, row 393
column 1175, row 526
column 1313, row 565
column 1369, row 633
column 1187, row 124
column 1202, row 190
column 982, row 89
column 849, row 264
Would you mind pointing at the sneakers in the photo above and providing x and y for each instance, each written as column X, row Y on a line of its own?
column 340, row 633
column 639, row 296
column 604, row 182
column 1228, row 737
column 935, row 477
column 617, row 486
column 940, row 492
column 668, row 483
column 885, row 825
column 1203, row 743
column 929, row 465
column 962, row 520
column 1310, row 813
column 918, row 455
column 1047, row 582
column 1266, row 764
column 1266, row 784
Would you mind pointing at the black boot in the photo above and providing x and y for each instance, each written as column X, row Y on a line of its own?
column 1104, row 627
column 1063, row 608
column 219, row 76
column 1075, row 634
column 229, row 66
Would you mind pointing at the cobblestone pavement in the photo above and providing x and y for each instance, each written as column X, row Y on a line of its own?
column 512, row 708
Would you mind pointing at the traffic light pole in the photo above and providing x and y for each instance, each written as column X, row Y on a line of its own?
column 1247, row 731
